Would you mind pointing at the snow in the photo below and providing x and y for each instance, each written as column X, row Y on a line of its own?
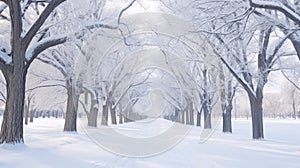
column 30, row 52
column 4, row 55
column 279, row 6
column 7, row 59
column 47, row 146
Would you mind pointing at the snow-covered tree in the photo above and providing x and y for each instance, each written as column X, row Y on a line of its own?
column 233, row 31
column 284, row 14
column 25, row 44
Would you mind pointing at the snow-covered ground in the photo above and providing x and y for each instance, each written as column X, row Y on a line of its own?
column 47, row 146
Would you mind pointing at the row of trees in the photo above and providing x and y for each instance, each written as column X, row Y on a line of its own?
column 30, row 30
column 248, row 40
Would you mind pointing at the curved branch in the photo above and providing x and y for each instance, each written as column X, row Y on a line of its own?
column 41, row 46
column 40, row 21
column 61, row 69
column 45, row 86
column 123, row 10
column 287, row 11
column 84, row 108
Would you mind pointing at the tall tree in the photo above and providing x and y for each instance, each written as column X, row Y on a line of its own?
column 15, row 61
column 232, row 31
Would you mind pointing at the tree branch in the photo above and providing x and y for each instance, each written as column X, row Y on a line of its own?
column 278, row 46
column 84, row 108
column 40, row 21
column 292, row 82
column 277, row 6
column 2, row 7
column 49, row 62
column 123, row 10
column 239, row 79
column 45, row 86
column 32, row 53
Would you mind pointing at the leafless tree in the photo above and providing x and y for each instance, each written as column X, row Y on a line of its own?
column 25, row 46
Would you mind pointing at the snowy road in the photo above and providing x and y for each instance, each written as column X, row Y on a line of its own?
column 47, row 146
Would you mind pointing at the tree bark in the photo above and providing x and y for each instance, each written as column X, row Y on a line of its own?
column 207, row 116
column 120, row 113
column 191, row 114
column 199, row 119
column 12, row 124
column 26, row 114
column 187, row 119
column 294, row 108
column 296, row 42
column 72, row 106
column 120, row 118
column 93, row 114
column 104, row 115
column 92, row 117
column 227, row 126
column 113, row 114
column 256, row 114
column 31, row 115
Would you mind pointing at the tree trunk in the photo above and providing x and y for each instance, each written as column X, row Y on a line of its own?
column 227, row 126
column 104, row 115
column 226, row 100
column 26, row 114
column 120, row 118
column 71, row 111
column 296, row 42
column 294, row 108
column 92, row 117
column 187, row 119
column 199, row 119
column 182, row 116
column 120, row 113
column 12, row 124
column 31, row 115
column 177, row 115
column 207, row 116
column 113, row 114
column 126, row 117
column 191, row 114
column 256, row 114
column 93, row 114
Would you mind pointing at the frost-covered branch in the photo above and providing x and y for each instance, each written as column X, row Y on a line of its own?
column 40, row 21
column 83, row 106
column 270, row 60
column 286, row 10
column 53, row 63
column 245, row 85
column 2, row 8
column 42, row 45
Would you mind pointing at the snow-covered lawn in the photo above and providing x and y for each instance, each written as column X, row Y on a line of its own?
column 47, row 146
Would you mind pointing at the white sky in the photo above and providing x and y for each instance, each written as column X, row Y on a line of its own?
column 276, row 79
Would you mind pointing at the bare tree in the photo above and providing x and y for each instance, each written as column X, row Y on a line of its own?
column 293, row 95
column 235, row 26
column 64, row 60
column 14, row 63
